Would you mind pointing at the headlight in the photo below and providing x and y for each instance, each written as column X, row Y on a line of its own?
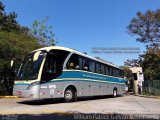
column 32, row 84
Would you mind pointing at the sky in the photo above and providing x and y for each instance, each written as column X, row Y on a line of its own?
column 87, row 24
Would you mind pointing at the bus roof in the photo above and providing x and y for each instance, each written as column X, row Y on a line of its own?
column 77, row 52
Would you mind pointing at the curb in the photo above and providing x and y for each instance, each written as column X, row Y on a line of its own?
column 146, row 96
column 8, row 96
column 39, row 112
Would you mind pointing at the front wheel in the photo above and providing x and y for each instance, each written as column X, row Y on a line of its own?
column 114, row 92
column 70, row 95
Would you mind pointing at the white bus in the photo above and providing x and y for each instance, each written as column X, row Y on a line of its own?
column 59, row 72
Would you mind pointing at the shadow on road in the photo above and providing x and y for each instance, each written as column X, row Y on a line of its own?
column 77, row 116
column 59, row 101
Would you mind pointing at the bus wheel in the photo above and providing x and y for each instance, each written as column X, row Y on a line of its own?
column 114, row 92
column 70, row 95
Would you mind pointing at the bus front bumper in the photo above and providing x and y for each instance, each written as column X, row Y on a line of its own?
column 31, row 93
column 24, row 93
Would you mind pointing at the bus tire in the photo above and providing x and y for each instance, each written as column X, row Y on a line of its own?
column 114, row 92
column 70, row 95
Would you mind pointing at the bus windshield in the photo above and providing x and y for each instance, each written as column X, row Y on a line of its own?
column 30, row 66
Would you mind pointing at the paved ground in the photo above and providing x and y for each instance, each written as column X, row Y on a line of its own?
column 25, row 108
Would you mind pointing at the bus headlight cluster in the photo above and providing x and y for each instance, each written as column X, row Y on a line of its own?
column 32, row 84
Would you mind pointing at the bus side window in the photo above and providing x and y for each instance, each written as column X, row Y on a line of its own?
column 80, row 66
column 119, row 73
column 107, row 70
column 85, row 64
column 91, row 66
column 122, row 73
column 73, row 62
column 97, row 67
column 111, row 71
column 115, row 72
column 103, row 69
column 100, row 68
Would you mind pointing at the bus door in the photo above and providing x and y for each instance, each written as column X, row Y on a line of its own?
column 48, row 74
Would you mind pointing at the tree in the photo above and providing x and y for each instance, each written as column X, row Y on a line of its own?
column 127, row 72
column 44, row 33
column 8, row 22
column 15, row 42
column 13, row 45
column 151, row 66
column 16, row 45
column 146, row 28
column 150, row 63
column 132, row 63
column 129, row 76
column 14, row 37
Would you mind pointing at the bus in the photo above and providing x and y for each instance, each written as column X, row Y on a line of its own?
column 60, row 72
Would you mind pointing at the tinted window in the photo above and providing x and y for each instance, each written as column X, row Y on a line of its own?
column 121, row 74
column 91, row 66
column 111, row 71
column 54, row 64
column 85, row 64
column 29, row 68
column 116, row 72
column 97, row 67
column 102, row 69
column 78, row 62
column 74, row 62
column 107, row 70
column 82, row 63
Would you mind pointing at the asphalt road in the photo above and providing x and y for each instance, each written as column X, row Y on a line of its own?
column 126, row 107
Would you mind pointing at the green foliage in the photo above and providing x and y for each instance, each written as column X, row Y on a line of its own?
column 15, row 42
column 150, row 63
column 151, row 66
column 43, row 31
column 13, row 45
column 146, row 27
column 132, row 63
column 127, row 72
column 8, row 22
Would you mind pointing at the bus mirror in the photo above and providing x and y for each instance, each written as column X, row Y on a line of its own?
column 12, row 62
column 36, row 55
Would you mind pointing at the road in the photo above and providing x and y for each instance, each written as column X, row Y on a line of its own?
column 25, row 108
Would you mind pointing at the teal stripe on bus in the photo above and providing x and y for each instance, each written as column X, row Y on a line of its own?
column 105, row 82
column 22, row 83
column 88, row 75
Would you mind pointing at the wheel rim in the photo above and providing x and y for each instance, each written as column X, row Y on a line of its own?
column 68, row 95
column 114, row 93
